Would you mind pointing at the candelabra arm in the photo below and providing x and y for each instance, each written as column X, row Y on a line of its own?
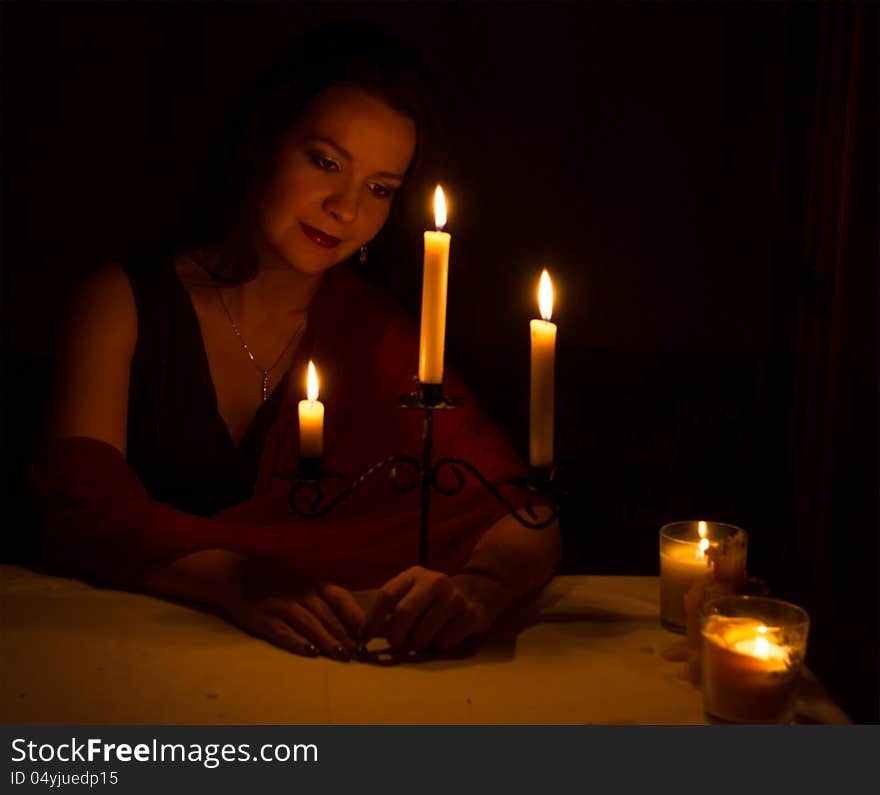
column 531, row 492
column 313, row 509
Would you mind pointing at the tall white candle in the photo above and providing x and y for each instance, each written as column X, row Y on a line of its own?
column 541, row 383
column 434, row 287
column 311, row 419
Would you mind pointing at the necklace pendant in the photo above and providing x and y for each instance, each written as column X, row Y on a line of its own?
column 265, row 385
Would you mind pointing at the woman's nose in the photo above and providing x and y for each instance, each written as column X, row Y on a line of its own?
column 342, row 204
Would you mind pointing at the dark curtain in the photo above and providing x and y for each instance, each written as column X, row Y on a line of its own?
column 827, row 262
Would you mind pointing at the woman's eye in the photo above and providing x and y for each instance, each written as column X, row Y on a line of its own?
column 323, row 162
column 381, row 191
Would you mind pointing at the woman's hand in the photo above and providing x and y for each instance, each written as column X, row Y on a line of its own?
column 299, row 615
column 420, row 608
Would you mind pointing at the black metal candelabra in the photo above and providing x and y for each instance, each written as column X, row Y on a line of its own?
column 307, row 494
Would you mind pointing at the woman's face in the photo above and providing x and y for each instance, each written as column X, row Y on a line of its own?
column 335, row 175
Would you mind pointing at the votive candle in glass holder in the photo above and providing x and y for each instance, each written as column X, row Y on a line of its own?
column 684, row 558
column 753, row 650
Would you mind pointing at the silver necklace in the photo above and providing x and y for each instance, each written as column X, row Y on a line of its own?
column 263, row 370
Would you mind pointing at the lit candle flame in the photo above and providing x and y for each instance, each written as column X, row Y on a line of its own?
column 545, row 295
column 704, row 542
column 762, row 645
column 312, row 380
column 439, row 208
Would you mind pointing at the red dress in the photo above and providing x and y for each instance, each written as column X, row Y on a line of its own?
column 101, row 520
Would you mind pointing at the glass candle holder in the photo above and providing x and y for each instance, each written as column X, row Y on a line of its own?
column 753, row 650
column 683, row 560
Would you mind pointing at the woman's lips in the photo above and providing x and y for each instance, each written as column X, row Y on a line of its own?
column 319, row 237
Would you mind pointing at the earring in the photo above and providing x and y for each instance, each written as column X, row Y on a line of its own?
column 362, row 255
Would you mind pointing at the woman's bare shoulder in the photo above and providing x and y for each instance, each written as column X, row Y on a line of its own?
column 96, row 346
column 105, row 301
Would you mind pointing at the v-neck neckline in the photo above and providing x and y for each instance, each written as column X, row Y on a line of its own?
column 208, row 379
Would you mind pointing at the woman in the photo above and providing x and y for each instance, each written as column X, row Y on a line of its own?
column 172, row 411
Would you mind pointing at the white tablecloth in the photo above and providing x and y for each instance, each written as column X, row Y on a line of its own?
column 586, row 650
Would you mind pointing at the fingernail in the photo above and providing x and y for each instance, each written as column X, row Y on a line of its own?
column 361, row 650
column 342, row 654
column 311, row 649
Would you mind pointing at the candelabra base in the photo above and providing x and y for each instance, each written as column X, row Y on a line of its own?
column 311, row 468
column 542, row 478
column 418, row 400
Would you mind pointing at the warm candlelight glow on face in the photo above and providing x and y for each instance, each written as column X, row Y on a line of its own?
column 439, row 208
column 312, row 380
column 545, row 295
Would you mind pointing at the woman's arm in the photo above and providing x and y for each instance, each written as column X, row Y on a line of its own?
column 511, row 561
column 90, row 400
column 209, row 578
column 100, row 521
column 298, row 615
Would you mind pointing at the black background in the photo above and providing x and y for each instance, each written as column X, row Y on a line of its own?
column 640, row 151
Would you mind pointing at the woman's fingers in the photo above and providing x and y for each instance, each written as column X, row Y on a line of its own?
column 404, row 602
column 326, row 615
column 422, row 633
column 409, row 611
column 419, row 611
column 386, row 599
column 297, row 614
column 279, row 632
column 307, row 624
column 346, row 608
